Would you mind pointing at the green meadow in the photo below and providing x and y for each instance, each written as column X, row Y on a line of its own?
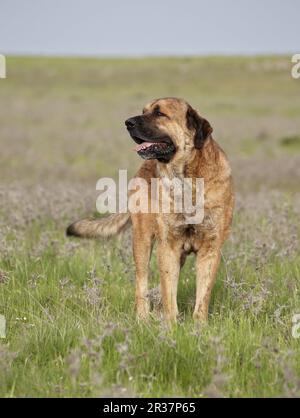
column 69, row 304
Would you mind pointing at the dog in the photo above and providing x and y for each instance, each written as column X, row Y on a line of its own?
column 176, row 143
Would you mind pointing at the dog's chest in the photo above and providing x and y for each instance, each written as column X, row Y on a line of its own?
column 191, row 235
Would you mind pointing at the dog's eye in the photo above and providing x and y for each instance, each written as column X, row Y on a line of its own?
column 159, row 114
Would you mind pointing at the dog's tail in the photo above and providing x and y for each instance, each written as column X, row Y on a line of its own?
column 103, row 227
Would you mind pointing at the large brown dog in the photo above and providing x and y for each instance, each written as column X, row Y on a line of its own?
column 177, row 143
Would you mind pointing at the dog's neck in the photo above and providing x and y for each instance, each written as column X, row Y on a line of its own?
column 189, row 161
column 170, row 170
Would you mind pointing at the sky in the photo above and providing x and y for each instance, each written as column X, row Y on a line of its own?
column 152, row 27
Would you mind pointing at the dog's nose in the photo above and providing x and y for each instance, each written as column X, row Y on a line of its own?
column 130, row 123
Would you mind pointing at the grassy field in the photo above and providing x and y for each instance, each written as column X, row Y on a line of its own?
column 69, row 305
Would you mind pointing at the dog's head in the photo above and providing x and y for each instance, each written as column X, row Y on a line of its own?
column 168, row 127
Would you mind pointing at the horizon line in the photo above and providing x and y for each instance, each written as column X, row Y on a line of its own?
column 147, row 56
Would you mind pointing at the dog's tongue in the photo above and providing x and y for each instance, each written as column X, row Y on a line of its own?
column 143, row 145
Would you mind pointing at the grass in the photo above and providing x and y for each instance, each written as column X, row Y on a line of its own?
column 71, row 328
column 72, row 331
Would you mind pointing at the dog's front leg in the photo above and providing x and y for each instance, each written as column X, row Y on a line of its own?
column 169, row 269
column 206, row 269
column 142, row 247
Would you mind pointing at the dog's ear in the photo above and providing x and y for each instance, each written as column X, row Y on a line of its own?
column 200, row 125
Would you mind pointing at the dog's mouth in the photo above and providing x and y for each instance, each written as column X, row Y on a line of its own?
column 161, row 149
